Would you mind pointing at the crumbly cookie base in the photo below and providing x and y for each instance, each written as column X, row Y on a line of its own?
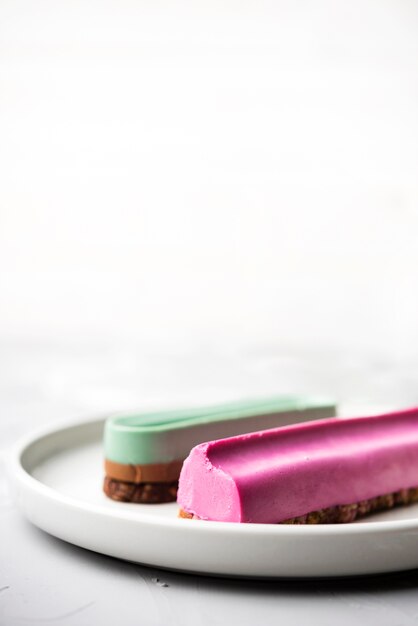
column 140, row 493
column 346, row 513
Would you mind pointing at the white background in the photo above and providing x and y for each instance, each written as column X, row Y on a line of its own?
column 220, row 182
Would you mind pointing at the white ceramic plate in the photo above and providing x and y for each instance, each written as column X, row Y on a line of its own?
column 58, row 476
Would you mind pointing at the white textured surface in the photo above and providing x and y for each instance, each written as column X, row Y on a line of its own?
column 48, row 581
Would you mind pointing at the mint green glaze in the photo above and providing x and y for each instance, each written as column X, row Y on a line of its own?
column 161, row 437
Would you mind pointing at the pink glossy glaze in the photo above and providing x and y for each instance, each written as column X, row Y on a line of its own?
column 274, row 475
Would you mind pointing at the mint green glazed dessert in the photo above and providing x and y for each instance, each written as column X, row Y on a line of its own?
column 144, row 452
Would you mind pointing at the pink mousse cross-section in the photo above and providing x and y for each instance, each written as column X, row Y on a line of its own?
column 274, row 475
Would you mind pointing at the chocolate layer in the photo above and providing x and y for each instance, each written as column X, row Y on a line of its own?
column 150, row 473
column 140, row 493
column 346, row 513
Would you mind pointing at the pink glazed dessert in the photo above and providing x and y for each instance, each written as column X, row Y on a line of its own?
column 329, row 471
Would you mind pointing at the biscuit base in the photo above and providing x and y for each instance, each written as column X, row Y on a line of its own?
column 140, row 493
column 346, row 513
